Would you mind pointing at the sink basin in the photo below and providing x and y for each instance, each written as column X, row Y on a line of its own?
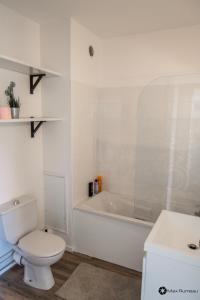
column 171, row 235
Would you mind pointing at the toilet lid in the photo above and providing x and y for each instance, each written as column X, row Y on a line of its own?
column 41, row 244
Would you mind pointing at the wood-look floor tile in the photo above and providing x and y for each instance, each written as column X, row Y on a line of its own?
column 12, row 286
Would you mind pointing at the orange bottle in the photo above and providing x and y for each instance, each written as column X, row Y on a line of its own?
column 100, row 182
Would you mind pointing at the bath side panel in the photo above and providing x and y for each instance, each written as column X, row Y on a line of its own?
column 110, row 239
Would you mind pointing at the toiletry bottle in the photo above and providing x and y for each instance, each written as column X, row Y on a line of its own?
column 90, row 189
column 100, row 182
column 96, row 186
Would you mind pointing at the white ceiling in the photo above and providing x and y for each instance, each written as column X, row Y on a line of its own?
column 109, row 18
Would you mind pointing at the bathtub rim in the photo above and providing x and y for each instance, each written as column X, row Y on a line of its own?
column 80, row 207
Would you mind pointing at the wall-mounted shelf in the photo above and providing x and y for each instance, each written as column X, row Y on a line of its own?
column 34, row 122
column 24, row 68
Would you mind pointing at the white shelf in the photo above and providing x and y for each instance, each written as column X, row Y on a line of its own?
column 27, row 120
column 35, row 123
column 24, row 68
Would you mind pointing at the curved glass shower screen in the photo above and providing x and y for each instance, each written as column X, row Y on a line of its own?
column 167, row 148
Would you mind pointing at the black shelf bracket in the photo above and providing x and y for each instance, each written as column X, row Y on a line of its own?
column 34, row 84
column 34, row 128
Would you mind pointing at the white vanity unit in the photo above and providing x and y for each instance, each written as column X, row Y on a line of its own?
column 171, row 270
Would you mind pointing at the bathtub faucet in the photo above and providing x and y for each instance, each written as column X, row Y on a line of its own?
column 197, row 213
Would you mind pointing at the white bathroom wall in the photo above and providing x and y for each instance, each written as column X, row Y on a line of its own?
column 121, row 68
column 21, row 157
column 130, row 65
column 21, row 161
column 84, row 82
column 116, row 127
column 20, row 37
column 55, row 54
column 138, row 59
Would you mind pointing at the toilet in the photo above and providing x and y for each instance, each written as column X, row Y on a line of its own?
column 34, row 249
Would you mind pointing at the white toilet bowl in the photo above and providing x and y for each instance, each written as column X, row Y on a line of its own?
column 34, row 249
column 37, row 251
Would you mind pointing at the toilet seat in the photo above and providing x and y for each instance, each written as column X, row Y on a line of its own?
column 41, row 244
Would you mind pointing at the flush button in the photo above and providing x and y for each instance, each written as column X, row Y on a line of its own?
column 16, row 202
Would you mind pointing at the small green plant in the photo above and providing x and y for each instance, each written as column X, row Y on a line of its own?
column 12, row 101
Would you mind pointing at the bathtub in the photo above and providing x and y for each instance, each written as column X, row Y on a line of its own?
column 108, row 227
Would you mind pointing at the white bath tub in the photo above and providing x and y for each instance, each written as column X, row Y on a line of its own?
column 108, row 227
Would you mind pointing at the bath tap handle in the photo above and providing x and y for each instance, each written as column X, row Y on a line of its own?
column 197, row 213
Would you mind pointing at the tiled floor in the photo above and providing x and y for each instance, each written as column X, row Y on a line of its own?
column 13, row 287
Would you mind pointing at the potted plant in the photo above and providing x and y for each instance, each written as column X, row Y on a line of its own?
column 13, row 102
